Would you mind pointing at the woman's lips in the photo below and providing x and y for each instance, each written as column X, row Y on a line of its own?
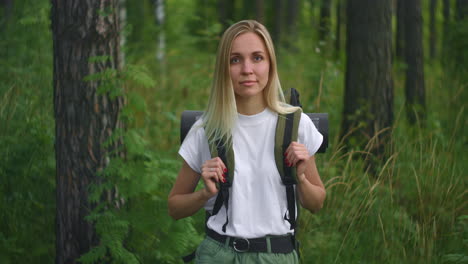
column 248, row 83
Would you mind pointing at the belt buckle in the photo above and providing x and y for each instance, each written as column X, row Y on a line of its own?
column 241, row 245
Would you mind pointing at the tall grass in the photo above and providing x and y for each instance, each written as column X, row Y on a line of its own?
column 413, row 210
column 27, row 160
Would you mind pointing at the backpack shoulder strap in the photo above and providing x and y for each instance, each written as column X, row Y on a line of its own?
column 287, row 130
column 226, row 153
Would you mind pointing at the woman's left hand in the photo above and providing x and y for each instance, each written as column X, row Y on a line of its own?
column 297, row 155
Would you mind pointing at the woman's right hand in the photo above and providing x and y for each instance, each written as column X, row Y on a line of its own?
column 213, row 171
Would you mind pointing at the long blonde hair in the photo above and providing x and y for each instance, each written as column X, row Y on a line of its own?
column 221, row 113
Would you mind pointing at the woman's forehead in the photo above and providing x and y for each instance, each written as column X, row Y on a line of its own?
column 248, row 42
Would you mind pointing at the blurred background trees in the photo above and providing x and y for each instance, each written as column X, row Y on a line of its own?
column 396, row 95
column 368, row 97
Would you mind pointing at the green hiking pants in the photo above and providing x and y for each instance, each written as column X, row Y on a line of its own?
column 211, row 251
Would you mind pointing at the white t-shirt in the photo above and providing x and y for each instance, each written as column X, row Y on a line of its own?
column 257, row 199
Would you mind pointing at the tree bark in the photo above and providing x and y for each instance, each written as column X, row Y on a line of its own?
column 85, row 119
column 312, row 11
column 338, row 27
column 260, row 11
column 368, row 100
column 248, row 9
column 324, row 24
column 432, row 29
column 446, row 28
column 7, row 6
column 160, row 15
column 400, row 30
column 291, row 22
column 226, row 12
column 462, row 9
column 446, row 11
column 277, row 22
column 123, row 39
column 414, row 84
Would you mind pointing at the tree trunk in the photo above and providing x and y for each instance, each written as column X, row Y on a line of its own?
column 414, row 85
column 446, row 11
column 291, row 22
column 123, row 39
column 85, row 119
column 446, row 29
column 368, row 101
column 324, row 24
column 312, row 14
column 277, row 22
column 400, row 30
column 338, row 27
column 462, row 9
column 7, row 6
column 260, row 11
column 226, row 12
column 161, row 45
column 247, row 9
column 432, row 29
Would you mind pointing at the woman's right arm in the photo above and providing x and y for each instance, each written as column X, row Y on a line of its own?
column 183, row 201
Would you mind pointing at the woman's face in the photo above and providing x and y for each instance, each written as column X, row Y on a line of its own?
column 249, row 65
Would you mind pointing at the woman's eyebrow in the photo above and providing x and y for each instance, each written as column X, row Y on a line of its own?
column 254, row 52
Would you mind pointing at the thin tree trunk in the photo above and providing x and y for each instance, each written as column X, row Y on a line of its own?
column 85, row 119
column 400, row 30
column 325, row 22
column 260, row 11
column 462, row 9
column 338, row 27
column 161, row 45
column 7, row 6
column 277, row 20
column 414, row 85
column 123, row 39
column 226, row 12
column 312, row 14
column 446, row 28
column 368, row 100
column 432, row 29
column 446, row 12
column 291, row 22
column 248, row 9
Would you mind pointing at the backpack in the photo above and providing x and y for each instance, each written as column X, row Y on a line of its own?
column 286, row 132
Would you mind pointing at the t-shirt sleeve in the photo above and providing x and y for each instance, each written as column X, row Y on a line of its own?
column 195, row 150
column 309, row 135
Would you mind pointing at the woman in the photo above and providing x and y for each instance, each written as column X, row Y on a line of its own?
column 243, row 108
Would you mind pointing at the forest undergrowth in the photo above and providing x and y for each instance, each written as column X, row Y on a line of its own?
column 413, row 210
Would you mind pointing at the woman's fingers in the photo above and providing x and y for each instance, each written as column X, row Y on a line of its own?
column 295, row 153
column 214, row 169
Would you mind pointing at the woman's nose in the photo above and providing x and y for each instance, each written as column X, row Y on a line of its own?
column 247, row 67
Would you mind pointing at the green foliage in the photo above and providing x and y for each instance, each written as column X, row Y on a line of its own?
column 27, row 161
column 456, row 52
column 138, row 224
column 413, row 211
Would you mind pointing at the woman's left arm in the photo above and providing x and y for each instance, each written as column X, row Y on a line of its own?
column 310, row 187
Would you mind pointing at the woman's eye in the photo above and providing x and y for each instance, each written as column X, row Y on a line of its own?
column 235, row 60
column 258, row 58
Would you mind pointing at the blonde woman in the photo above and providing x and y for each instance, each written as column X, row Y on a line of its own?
column 251, row 223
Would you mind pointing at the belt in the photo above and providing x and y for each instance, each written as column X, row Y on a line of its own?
column 278, row 244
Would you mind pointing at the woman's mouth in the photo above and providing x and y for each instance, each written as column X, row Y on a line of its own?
column 248, row 83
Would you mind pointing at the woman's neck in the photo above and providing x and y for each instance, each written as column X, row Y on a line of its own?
column 250, row 105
